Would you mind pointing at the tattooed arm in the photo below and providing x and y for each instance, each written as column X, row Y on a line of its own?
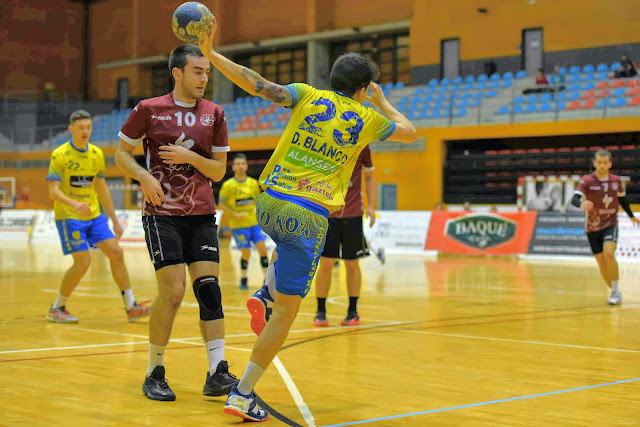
column 247, row 79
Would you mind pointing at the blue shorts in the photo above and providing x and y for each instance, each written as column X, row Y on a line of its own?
column 244, row 236
column 299, row 228
column 76, row 235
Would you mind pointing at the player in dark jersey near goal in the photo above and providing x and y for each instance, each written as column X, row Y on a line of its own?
column 345, row 240
column 600, row 195
column 185, row 147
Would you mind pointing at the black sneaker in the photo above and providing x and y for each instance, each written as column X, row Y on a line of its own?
column 243, row 284
column 156, row 387
column 352, row 319
column 221, row 382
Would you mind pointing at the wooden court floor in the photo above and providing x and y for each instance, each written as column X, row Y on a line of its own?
column 454, row 341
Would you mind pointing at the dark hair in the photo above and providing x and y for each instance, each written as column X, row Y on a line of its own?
column 351, row 72
column 606, row 153
column 79, row 115
column 540, row 70
column 239, row 156
column 180, row 56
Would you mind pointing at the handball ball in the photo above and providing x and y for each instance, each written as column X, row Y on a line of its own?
column 191, row 22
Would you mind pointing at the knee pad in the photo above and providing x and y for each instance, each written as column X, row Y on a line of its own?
column 244, row 264
column 209, row 298
column 264, row 261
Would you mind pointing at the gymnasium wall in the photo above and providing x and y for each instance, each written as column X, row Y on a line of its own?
column 418, row 175
column 41, row 41
column 605, row 28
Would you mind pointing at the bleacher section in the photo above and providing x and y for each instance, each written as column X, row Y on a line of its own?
column 586, row 92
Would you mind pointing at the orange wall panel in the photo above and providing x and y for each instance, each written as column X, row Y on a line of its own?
column 357, row 13
column 106, row 82
column 568, row 24
column 41, row 41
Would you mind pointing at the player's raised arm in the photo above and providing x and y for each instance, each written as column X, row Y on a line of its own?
column 247, row 79
column 405, row 131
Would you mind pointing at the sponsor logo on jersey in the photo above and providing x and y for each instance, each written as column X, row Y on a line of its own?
column 208, row 248
column 207, row 119
column 614, row 186
column 244, row 202
column 187, row 144
column 154, row 117
column 481, row 231
column 595, row 188
column 80, row 181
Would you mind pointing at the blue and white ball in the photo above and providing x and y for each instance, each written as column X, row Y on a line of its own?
column 191, row 22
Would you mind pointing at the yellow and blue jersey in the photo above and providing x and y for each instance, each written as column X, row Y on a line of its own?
column 240, row 197
column 319, row 148
column 76, row 171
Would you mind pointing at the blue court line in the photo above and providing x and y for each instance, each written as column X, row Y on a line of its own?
column 491, row 402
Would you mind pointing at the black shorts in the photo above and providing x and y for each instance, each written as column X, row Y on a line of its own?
column 345, row 234
column 181, row 239
column 597, row 238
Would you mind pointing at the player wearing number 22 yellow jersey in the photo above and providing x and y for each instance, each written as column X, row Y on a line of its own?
column 305, row 179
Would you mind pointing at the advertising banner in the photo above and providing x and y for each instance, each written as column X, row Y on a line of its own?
column 505, row 233
column 15, row 224
column 399, row 232
column 559, row 234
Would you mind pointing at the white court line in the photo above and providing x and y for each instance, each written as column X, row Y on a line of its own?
column 475, row 337
column 73, row 347
column 295, row 393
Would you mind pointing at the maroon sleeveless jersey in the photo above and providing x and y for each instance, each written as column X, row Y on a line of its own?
column 603, row 193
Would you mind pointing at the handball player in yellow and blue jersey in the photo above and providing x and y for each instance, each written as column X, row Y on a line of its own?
column 78, row 188
column 238, row 197
column 305, row 179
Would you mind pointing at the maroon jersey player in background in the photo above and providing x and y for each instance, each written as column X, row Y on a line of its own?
column 600, row 195
column 185, row 148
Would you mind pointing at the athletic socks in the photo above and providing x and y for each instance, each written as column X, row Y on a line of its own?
column 156, row 356
column 321, row 305
column 61, row 301
column 129, row 300
column 614, row 286
column 353, row 303
column 250, row 378
column 215, row 353
column 270, row 280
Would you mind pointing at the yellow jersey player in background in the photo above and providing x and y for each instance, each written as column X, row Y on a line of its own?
column 237, row 199
column 305, row 179
column 78, row 187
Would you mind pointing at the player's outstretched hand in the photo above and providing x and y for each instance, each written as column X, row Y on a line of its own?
column 377, row 96
column 586, row 205
column 206, row 44
column 82, row 208
column 118, row 230
column 175, row 154
column 371, row 213
column 152, row 190
column 635, row 221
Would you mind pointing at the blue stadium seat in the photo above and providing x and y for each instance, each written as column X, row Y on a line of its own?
column 454, row 87
column 563, row 70
column 518, row 99
column 479, row 95
column 617, row 92
column 441, row 97
column 546, row 97
column 572, row 96
column 575, row 86
column 467, row 86
column 602, row 67
column 614, row 66
column 521, row 74
column 416, row 98
column 517, row 109
column 573, row 78
column 470, row 79
column 433, row 82
column 574, row 69
column 531, row 98
column 466, row 95
column 460, row 112
column 420, row 91
column 443, row 88
column 560, row 105
column 435, row 114
column 492, row 94
column 504, row 109
column 427, row 98
column 482, row 78
column 403, row 100
column 507, row 76
column 545, row 107
column 474, row 102
column 599, row 104
column 506, row 84
column 445, row 113
column 399, row 85
column 445, row 81
column 589, row 86
column 463, row 103
column 432, row 89
column 457, row 80
column 616, row 102
column 588, row 68
column 481, row 85
column 387, row 86
column 495, row 77
column 588, row 77
column 530, row 108
column 602, row 76
column 494, row 84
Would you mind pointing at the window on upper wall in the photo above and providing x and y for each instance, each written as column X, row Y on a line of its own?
column 282, row 66
column 389, row 51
